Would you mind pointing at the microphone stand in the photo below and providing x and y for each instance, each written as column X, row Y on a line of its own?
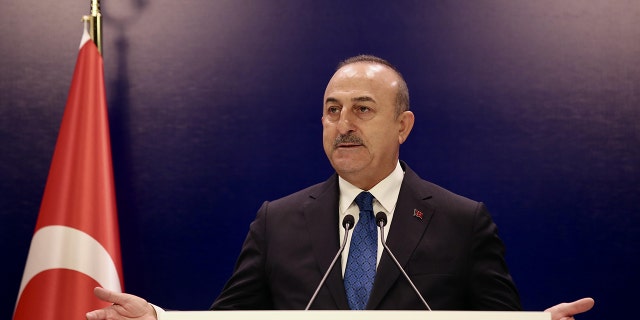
column 347, row 223
column 381, row 219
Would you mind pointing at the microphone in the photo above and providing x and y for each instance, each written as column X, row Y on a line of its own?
column 347, row 224
column 381, row 220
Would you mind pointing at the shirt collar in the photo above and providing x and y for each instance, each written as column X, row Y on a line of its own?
column 386, row 191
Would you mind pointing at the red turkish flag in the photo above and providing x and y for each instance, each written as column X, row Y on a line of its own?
column 76, row 243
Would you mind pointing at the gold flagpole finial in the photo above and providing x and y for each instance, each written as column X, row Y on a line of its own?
column 95, row 24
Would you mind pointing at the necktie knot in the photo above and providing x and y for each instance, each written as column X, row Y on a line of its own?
column 365, row 201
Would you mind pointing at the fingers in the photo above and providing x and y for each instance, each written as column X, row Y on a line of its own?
column 108, row 295
column 112, row 312
column 580, row 306
column 568, row 310
column 118, row 298
column 100, row 314
column 124, row 306
column 108, row 312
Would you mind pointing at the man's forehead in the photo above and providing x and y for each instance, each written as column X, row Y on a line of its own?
column 369, row 70
column 362, row 78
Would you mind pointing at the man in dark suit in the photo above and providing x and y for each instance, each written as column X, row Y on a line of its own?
column 451, row 252
column 448, row 244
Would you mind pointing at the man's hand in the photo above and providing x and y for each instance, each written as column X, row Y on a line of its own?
column 566, row 311
column 125, row 306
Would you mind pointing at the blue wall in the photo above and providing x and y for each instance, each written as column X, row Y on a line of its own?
column 530, row 106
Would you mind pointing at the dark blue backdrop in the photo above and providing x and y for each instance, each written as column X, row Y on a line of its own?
column 530, row 106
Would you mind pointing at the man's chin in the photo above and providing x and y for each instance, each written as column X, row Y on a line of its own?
column 344, row 166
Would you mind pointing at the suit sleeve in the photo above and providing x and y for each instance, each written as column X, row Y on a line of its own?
column 248, row 289
column 491, row 286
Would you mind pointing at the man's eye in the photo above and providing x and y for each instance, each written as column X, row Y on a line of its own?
column 333, row 110
column 363, row 109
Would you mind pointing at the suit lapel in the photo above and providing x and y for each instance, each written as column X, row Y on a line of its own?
column 407, row 229
column 321, row 215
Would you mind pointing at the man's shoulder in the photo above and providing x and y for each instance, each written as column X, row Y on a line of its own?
column 434, row 193
column 312, row 192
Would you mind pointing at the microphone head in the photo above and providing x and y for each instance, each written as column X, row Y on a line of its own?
column 348, row 222
column 381, row 217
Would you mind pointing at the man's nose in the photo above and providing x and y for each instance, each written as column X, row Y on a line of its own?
column 345, row 123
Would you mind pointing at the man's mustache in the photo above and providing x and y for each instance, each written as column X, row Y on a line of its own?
column 347, row 138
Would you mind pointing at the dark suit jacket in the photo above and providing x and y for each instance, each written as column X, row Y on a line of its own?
column 452, row 254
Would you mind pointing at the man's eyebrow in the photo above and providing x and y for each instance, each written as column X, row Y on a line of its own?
column 330, row 99
column 355, row 99
column 363, row 99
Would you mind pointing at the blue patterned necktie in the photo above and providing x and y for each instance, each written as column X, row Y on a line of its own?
column 363, row 254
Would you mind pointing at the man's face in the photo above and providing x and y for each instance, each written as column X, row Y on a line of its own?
column 361, row 133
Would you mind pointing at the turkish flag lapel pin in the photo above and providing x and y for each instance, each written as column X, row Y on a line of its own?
column 418, row 214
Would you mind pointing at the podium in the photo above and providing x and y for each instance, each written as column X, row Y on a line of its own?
column 355, row 315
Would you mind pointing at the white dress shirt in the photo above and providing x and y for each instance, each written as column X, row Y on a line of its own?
column 385, row 195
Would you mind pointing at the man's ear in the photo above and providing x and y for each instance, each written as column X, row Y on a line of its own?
column 405, row 121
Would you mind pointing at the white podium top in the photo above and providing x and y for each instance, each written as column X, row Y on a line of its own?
column 354, row 315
